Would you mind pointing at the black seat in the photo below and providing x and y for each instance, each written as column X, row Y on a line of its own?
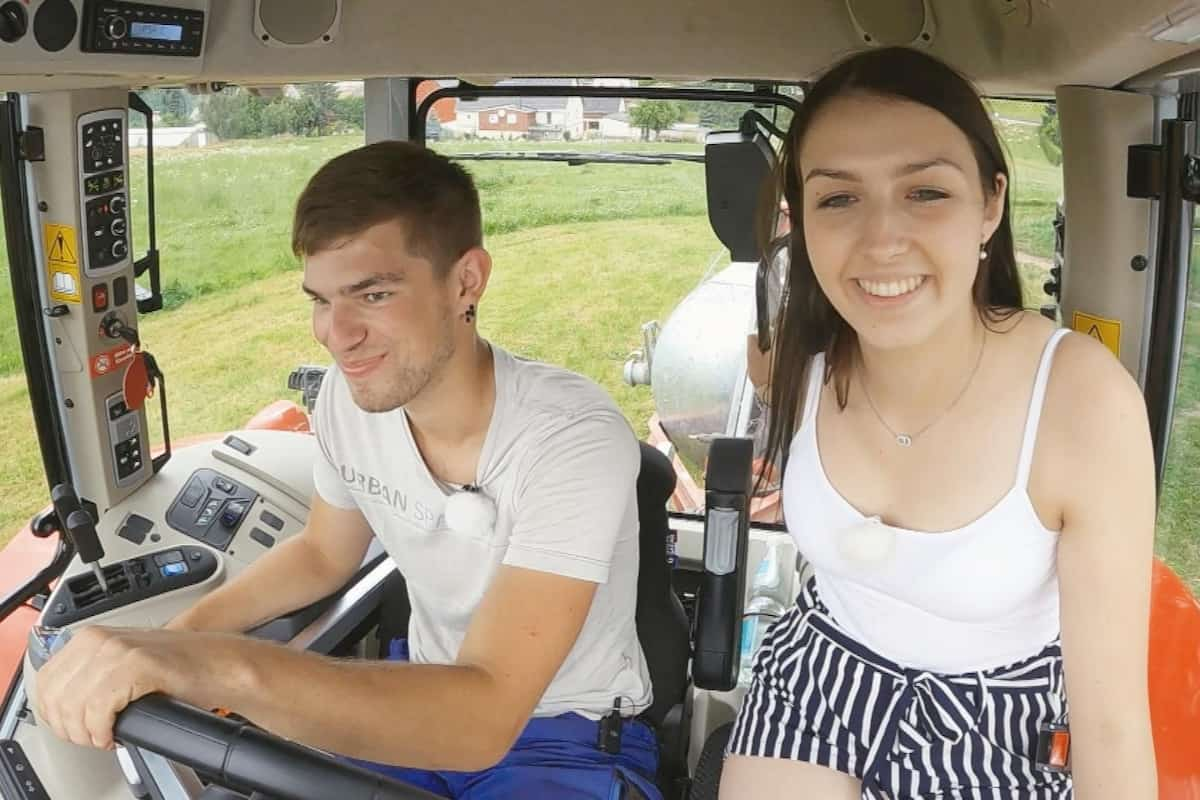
column 662, row 624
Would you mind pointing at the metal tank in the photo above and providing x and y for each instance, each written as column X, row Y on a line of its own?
column 695, row 365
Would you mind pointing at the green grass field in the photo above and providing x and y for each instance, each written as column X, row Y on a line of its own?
column 584, row 255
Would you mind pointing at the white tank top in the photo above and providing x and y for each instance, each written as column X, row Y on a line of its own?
column 971, row 599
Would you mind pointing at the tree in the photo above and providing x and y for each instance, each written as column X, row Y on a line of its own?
column 654, row 115
column 318, row 108
column 350, row 112
column 234, row 114
column 172, row 106
column 1049, row 135
column 279, row 116
column 721, row 116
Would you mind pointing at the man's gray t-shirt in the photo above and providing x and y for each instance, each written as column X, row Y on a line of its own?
column 560, row 463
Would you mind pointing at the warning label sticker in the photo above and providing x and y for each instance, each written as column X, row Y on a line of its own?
column 104, row 363
column 1107, row 331
column 62, row 263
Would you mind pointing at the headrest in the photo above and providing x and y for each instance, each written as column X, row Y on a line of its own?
column 737, row 165
column 657, row 477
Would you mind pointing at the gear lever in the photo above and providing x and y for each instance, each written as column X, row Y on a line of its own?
column 78, row 525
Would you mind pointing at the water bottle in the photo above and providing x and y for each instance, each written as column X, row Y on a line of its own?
column 764, row 607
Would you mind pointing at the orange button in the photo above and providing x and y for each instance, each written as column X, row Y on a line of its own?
column 1060, row 748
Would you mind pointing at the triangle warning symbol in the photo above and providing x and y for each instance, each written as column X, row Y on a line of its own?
column 61, row 251
column 1094, row 332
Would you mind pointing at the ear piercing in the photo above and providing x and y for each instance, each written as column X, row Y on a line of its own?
column 469, row 314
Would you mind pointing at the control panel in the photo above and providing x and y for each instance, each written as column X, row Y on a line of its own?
column 119, row 27
column 210, row 508
column 125, row 440
column 129, row 581
column 104, row 199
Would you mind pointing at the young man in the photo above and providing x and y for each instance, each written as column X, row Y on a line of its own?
column 503, row 489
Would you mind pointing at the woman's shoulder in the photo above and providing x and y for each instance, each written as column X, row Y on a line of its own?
column 1089, row 391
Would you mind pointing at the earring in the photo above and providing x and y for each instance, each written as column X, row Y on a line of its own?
column 982, row 253
column 469, row 315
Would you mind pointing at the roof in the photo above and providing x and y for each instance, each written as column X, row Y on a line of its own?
column 602, row 106
column 1021, row 47
column 524, row 103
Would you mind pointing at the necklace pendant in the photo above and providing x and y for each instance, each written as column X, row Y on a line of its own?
column 903, row 439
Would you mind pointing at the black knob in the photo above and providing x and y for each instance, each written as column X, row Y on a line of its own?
column 13, row 21
column 116, row 28
column 83, row 532
column 118, row 227
column 232, row 514
column 119, row 249
column 117, row 204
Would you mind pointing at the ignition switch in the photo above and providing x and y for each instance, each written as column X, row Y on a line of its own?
column 114, row 327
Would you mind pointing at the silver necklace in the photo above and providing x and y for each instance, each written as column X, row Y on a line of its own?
column 906, row 439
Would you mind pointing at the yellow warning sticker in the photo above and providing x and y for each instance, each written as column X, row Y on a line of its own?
column 62, row 263
column 1107, row 331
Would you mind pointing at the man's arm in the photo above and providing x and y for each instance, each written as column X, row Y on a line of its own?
column 314, row 563
column 464, row 716
column 461, row 716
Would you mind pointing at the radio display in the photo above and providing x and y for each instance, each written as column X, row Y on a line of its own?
column 156, row 31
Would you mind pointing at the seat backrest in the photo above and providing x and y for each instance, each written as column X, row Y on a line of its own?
column 662, row 624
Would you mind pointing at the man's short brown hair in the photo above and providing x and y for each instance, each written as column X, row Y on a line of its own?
column 434, row 198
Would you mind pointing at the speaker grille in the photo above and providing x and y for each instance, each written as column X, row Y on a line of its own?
column 895, row 22
column 297, row 21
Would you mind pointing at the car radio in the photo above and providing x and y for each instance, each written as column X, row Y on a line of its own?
column 141, row 29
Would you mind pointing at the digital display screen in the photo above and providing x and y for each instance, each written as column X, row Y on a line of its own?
column 156, row 31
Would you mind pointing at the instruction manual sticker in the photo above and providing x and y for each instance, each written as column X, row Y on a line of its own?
column 1107, row 331
column 62, row 263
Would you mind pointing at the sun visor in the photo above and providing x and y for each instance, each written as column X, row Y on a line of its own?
column 737, row 166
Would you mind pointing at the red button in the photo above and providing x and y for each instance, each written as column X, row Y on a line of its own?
column 100, row 297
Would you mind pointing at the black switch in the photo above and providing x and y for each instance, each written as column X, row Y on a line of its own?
column 193, row 495
column 272, row 520
column 241, row 445
column 120, row 291
column 262, row 537
column 225, row 486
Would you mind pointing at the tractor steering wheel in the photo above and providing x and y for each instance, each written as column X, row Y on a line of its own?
column 247, row 758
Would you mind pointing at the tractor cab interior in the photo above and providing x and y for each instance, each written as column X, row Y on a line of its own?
column 134, row 528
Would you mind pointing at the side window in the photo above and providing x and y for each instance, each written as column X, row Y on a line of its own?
column 1177, row 542
column 1029, row 132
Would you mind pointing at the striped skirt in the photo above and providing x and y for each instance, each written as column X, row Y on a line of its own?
column 820, row 697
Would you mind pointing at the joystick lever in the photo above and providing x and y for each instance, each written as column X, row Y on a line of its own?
column 77, row 524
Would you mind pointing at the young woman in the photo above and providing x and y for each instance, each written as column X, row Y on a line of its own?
column 974, row 488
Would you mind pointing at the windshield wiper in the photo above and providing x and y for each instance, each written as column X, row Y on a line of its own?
column 575, row 159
